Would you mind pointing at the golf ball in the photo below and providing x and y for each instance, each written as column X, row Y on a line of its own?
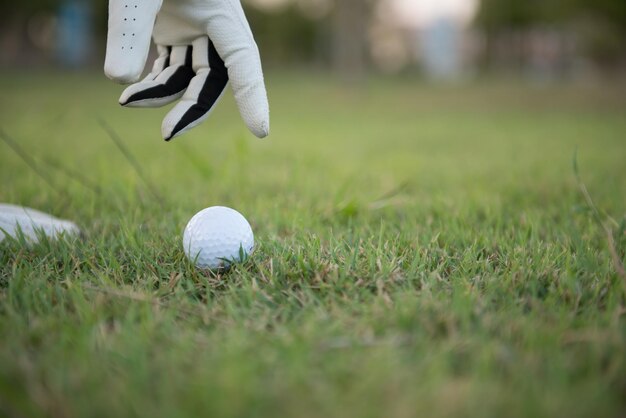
column 216, row 236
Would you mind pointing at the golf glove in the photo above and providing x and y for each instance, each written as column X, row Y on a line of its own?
column 202, row 45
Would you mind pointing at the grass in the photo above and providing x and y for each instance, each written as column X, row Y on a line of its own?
column 422, row 251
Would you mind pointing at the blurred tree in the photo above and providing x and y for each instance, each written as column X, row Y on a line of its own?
column 599, row 26
column 331, row 32
column 20, row 23
column 496, row 15
column 349, row 37
column 602, row 26
column 284, row 35
column 10, row 9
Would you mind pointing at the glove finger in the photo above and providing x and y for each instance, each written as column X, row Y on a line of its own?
column 203, row 93
column 170, row 76
column 230, row 32
column 128, row 41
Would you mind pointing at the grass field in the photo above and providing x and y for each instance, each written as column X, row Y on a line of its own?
column 421, row 251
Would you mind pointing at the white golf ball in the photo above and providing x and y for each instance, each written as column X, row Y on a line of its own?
column 217, row 235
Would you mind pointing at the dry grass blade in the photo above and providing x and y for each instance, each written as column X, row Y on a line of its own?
column 132, row 160
column 29, row 161
column 617, row 262
column 138, row 297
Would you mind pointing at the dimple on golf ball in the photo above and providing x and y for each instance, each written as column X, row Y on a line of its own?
column 216, row 236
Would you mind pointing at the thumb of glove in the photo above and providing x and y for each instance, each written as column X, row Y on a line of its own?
column 128, row 41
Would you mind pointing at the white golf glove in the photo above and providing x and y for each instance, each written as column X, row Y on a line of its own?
column 202, row 44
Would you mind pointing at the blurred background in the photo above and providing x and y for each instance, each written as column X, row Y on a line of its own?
column 437, row 39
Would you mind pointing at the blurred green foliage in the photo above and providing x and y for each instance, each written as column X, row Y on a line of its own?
column 599, row 26
column 286, row 36
column 495, row 14
column 9, row 9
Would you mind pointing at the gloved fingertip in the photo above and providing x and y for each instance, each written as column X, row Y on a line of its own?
column 121, row 75
column 124, row 79
column 167, row 130
column 260, row 129
column 253, row 106
column 168, row 137
column 124, row 97
column 257, row 118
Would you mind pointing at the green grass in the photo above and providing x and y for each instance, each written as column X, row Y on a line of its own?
column 422, row 251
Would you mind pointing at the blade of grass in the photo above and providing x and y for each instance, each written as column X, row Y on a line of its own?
column 29, row 161
column 131, row 160
column 608, row 230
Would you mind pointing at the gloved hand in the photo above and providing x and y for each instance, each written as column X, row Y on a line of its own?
column 202, row 44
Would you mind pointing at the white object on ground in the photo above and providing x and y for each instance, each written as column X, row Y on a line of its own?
column 32, row 223
column 216, row 236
